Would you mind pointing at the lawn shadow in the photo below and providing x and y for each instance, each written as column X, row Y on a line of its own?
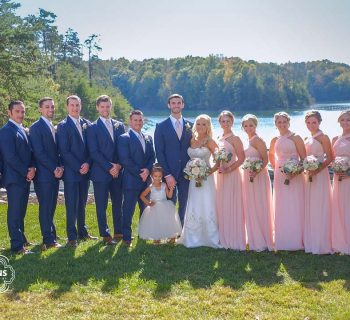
column 109, row 267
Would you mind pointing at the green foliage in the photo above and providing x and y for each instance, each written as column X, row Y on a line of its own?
column 37, row 61
column 217, row 82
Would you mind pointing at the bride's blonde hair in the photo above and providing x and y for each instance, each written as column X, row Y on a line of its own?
column 209, row 125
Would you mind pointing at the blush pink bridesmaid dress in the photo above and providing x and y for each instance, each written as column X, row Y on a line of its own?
column 229, row 203
column 341, row 202
column 289, row 200
column 317, row 229
column 257, row 202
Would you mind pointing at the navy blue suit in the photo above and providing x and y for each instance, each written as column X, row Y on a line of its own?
column 172, row 156
column 74, row 152
column 1, row 168
column 104, row 151
column 17, row 158
column 47, row 159
column 133, row 159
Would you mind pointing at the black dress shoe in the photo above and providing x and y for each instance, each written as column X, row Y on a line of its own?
column 72, row 244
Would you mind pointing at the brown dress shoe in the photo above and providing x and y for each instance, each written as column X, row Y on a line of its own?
column 53, row 245
column 88, row 237
column 108, row 241
column 24, row 251
column 118, row 236
column 127, row 243
column 28, row 244
column 72, row 243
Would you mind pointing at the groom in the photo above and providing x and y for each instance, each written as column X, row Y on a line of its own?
column 172, row 138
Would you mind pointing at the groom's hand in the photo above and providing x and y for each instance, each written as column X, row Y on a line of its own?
column 144, row 174
column 170, row 181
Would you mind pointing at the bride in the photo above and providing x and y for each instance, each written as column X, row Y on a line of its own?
column 200, row 225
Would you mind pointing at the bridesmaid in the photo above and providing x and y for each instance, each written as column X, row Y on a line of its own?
column 229, row 188
column 341, row 190
column 317, row 229
column 289, row 201
column 257, row 196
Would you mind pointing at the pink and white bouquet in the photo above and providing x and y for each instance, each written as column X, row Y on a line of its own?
column 196, row 169
column 341, row 165
column 221, row 155
column 253, row 165
column 311, row 163
column 292, row 166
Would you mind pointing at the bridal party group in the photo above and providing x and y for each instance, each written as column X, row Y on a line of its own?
column 221, row 185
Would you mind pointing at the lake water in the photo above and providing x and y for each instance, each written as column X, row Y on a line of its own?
column 266, row 127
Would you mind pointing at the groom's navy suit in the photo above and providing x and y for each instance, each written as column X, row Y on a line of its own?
column 133, row 158
column 104, row 151
column 172, row 156
column 47, row 159
column 74, row 152
column 17, row 158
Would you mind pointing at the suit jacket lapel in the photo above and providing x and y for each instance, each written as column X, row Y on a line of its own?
column 21, row 134
column 46, row 127
column 104, row 129
column 72, row 124
column 172, row 129
column 136, row 140
column 184, row 129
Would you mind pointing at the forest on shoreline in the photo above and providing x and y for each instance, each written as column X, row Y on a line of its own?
column 36, row 60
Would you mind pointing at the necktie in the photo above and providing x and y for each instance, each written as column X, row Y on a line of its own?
column 79, row 129
column 52, row 128
column 109, row 128
column 178, row 129
column 23, row 133
column 142, row 140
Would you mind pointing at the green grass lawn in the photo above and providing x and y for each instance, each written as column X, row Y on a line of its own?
column 168, row 282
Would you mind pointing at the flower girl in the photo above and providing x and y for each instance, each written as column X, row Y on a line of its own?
column 160, row 219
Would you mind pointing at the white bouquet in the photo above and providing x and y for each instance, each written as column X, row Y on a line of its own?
column 311, row 163
column 196, row 169
column 292, row 166
column 341, row 165
column 253, row 165
column 221, row 155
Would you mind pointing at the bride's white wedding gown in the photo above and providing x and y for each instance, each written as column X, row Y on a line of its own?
column 200, row 225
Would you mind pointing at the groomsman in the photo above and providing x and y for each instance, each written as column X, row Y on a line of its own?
column 172, row 138
column 106, row 168
column 48, row 169
column 18, row 172
column 72, row 144
column 137, row 156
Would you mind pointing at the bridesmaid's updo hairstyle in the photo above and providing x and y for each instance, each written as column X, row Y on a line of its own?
column 157, row 168
column 281, row 114
column 249, row 117
column 343, row 113
column 209, row 125
column 315, row 114
column 226, row 113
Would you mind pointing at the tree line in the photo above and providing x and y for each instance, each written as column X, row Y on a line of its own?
column 36, row 61
column 217, row 82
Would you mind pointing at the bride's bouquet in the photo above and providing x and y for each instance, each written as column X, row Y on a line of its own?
column 311, row 163
column 196, row 169
column 292, row 166
column 341, row 165
column 221, row 155
column 252, row 164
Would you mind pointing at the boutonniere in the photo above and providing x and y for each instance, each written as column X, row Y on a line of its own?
column 188, row 126
column 26, row 130
column 147, row 138
column 84, row 126
column 55, row 129
column 116, row 125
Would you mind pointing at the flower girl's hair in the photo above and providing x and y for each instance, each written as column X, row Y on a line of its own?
column 209, row 125
column 157, row 168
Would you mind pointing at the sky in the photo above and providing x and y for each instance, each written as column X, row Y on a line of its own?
column 263, row 30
